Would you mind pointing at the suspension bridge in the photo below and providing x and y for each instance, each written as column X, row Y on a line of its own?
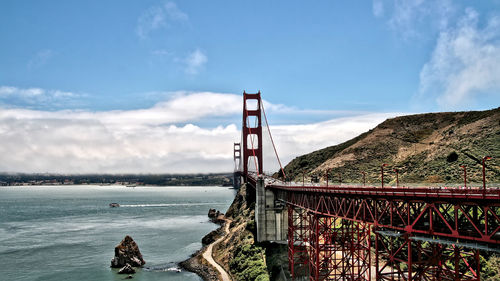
column 342, row 232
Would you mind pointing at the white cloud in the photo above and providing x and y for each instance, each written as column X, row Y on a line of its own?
column 465, row 63
column 40, row 59
column 158, row 17
column 160, row 52
column 195, row 61
column 36, row 97
column 295, row 140
column 182, row 107
column 174, row 13
column 378, row 8
column 152, row 140
column 410, row 17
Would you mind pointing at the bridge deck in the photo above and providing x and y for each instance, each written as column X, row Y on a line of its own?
column 408, row 192
column 436, row 193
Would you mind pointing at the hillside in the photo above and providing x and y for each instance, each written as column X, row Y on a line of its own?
column 425, row 148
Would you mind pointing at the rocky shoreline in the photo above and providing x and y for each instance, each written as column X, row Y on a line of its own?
column 236, row 250
column 196, row 263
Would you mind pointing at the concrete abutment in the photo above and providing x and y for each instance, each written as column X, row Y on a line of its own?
column 271, row 217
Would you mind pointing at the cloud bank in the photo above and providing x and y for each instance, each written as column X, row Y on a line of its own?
column 165, row 138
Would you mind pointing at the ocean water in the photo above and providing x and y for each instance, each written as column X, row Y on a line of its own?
column 70, row 232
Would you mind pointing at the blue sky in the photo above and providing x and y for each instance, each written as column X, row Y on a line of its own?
column 315, row 63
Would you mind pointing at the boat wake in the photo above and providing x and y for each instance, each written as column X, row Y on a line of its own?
column 167, row 205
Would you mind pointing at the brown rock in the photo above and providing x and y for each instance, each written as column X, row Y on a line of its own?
column 211, row 213
column 127, row 269
column 220, row 219
column 127, row 252
column 216, row 216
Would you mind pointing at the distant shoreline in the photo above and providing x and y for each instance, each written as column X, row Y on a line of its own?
column 222, row 179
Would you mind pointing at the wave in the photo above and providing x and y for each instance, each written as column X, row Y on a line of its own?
column 170, row 267
column 168, row 205
column 34, row 249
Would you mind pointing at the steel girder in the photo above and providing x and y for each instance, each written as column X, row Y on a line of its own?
column 399, row 257
column 455, row 219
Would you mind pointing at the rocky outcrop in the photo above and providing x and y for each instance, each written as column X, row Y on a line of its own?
column 215, row 216
column 212, row 213
column 127, row 252
column 127, row 269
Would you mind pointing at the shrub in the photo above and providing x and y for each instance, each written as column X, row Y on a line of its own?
column 452, row 157
column 491, row 270
column 248, row 263
column 251, row 226
column 262, row 277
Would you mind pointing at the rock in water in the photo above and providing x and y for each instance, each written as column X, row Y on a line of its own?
column 212, row 213
column 216, row 216
column 127, row 252
column 127, row 269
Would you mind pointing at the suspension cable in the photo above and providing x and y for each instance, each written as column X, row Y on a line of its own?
column 272, row 141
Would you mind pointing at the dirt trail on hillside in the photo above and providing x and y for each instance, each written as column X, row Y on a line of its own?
column 207, row 255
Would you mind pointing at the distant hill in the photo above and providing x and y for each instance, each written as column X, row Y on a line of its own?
column 425, row 148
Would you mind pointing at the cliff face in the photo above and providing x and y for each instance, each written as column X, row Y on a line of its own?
column 239, row 253
column 425, row 148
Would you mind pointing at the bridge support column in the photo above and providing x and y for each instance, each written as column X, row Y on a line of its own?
column 350, row 251
column 270, row 218
column 236, row 180
column 393, row 256
column 327, row 248
column 298, row 239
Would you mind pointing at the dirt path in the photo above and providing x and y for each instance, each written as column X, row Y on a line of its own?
column 207, row 255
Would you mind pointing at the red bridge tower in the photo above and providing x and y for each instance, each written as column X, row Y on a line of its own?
column 252, row 147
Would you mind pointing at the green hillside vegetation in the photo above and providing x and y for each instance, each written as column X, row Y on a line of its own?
column 425, row 148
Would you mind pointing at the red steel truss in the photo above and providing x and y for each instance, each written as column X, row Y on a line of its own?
column 399, row 257
column 476, row 219
column 415, row 238
column 327, row 248
column 298, row 240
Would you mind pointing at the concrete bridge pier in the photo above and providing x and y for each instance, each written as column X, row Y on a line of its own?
column 271, row 217
column 236, row 180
